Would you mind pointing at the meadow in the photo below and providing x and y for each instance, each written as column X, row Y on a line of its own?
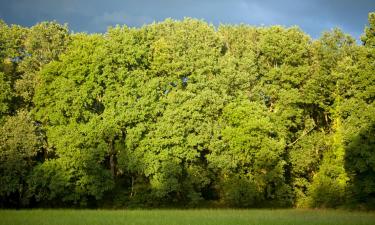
column 186, row 217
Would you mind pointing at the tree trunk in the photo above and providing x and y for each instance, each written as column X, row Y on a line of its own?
column 112, row 159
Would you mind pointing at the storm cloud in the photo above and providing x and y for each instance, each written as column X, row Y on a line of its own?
column 314, row 16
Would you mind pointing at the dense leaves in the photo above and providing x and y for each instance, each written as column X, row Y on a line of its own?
column 18, row 146
column 181, row 113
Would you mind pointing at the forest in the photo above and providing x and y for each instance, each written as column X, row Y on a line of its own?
column 182, row 113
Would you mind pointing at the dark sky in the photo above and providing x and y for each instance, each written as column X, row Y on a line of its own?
column 313, row 16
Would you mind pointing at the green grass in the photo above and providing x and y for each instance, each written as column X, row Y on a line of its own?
column 185, row 217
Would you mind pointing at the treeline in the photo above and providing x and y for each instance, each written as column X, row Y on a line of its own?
column 185, row 114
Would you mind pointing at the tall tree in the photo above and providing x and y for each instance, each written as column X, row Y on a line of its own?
column 67, row 100
column 18, row 149
column 43, row 43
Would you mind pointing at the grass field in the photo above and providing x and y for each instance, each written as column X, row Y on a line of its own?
column 185, row 217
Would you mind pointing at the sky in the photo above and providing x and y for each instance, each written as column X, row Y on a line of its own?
column 313, row 16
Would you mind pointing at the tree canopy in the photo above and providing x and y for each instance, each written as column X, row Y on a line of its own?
column 182, row 113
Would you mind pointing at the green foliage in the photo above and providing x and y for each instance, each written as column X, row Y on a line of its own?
column 360, row 164
column 43, row 43
column 305, row 158
column 11, row 45
column 368, row 38
column 68, row 103
column 329, row 185
column 180, row 113
column 18, row 148
column 250, row 146
column 5, row 96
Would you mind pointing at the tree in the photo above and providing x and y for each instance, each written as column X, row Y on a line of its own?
column 350, row 109
column 11, row 42
column 67, row 101
column 43, row 43
column 174, row 128
column 368, row 38
column 180, row 113
column 17, row 156
column 5, row 96
column 249, row 149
